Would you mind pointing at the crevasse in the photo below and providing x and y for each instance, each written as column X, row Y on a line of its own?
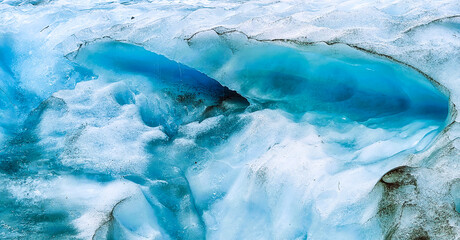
column 127, row 120
column 212, row 162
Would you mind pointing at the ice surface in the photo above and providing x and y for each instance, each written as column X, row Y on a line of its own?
column 229, row 120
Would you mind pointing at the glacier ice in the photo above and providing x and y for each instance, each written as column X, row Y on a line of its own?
column 229, row 120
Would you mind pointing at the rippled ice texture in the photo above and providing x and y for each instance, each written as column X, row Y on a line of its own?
column 221, row 120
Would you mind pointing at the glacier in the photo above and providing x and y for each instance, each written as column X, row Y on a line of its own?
column 229, row 120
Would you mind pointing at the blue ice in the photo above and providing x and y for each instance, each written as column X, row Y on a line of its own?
column 197, row 138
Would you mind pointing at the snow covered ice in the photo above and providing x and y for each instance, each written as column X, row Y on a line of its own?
column 229, row 120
